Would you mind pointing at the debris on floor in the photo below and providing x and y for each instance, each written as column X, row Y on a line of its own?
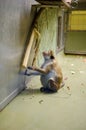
column 81, row 72
column 41, row 101
column 72, row 64
column 72, row 72
column 68, row 87
column 65, row 78
column 82, row 84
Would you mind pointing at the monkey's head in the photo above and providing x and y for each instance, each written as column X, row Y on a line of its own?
column 48, row 55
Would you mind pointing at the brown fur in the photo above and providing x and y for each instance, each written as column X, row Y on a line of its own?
column 48, row 66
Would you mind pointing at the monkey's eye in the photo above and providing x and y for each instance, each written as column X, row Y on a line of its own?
column 52, row 57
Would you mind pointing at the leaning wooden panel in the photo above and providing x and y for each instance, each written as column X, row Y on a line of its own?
column 34, row 35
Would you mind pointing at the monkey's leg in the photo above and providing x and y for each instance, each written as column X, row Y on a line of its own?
column 52, row 86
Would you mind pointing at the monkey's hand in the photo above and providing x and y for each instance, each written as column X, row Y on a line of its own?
column 30, row 67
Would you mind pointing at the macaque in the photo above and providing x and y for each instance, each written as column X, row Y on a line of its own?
column 50, row 73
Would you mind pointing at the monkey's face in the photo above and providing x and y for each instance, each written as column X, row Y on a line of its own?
column 48, row 55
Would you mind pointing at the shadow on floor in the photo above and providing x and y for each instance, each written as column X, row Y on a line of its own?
column 35, row 91
column 31, row 91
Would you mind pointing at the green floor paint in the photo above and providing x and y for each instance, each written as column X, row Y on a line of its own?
column 75, row 42
column 65, row 110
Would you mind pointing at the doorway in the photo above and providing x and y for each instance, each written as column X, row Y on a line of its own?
column 75, row 41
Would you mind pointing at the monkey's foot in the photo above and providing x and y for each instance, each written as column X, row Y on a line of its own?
column 45, row 90
column 51, row 88
column 42, row 89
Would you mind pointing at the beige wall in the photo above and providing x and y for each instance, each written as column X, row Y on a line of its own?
column 14, row 23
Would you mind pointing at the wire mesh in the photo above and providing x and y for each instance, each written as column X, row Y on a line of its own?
column 77, row 21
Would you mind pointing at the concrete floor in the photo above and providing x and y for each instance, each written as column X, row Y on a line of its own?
column 65, row 110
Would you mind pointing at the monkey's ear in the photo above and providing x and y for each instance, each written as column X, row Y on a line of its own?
column 51, row 55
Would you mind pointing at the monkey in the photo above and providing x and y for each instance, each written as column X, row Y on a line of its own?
column 50, row 72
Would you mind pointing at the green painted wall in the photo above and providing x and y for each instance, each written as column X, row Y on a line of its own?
column 47, row 26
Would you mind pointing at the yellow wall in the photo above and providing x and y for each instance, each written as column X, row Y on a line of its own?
column 77, row 20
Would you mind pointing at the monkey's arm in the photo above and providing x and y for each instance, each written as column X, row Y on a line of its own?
column 40, row 70
column 31, row 73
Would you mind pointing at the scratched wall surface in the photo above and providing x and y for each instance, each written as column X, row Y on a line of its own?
column 47, row 26
column 14, row 23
